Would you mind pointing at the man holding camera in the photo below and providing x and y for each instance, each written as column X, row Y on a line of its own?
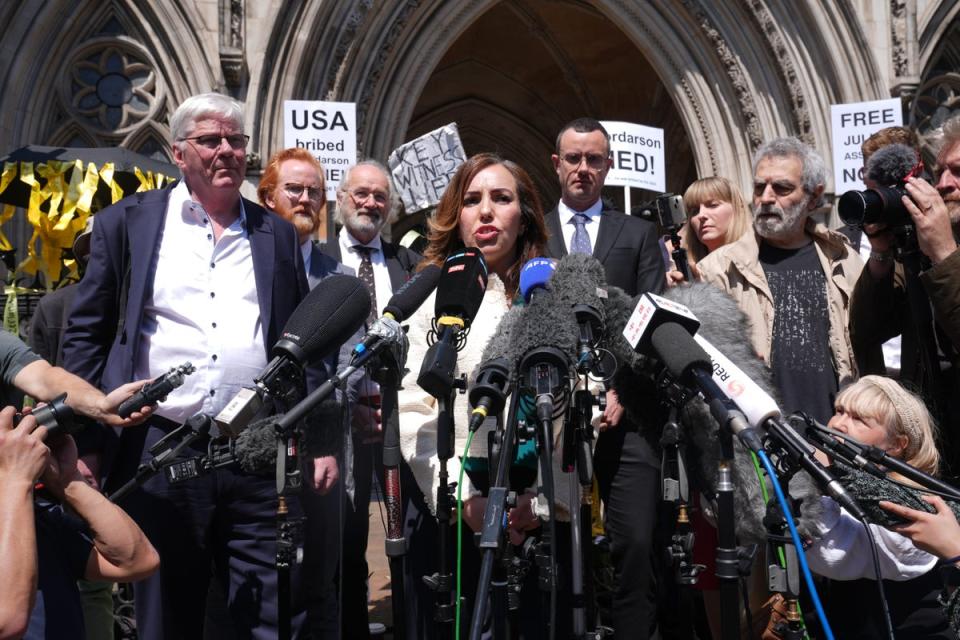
column 881, row 307
column 43, row 551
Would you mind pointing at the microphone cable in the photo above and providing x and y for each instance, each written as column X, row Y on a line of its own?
column 875, row 555
column 781, row 558
column 801, row 556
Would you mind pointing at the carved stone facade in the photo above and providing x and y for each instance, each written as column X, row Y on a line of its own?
column 718, row 77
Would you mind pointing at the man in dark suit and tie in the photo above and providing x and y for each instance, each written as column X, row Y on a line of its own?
column 193, row 273
column 366, row 202
column 626, row 464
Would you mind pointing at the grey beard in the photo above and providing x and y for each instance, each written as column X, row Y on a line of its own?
column 355, row 223
column 789, row 220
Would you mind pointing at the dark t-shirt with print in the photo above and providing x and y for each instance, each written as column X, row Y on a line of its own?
column 800, row 358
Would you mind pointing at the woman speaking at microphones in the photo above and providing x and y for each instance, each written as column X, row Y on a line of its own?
column 490, row 205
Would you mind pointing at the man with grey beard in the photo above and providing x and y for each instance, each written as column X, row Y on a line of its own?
column 793, row 278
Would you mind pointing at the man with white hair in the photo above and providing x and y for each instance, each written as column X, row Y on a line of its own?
column 793, row 278
column 366, row 202
column 193, row 272
column 881, row 307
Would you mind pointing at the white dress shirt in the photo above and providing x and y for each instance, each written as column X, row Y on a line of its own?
column 350, row 258
column 381, row 280
column 204, row 309
column 592, row 225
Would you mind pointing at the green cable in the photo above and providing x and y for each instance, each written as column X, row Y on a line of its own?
column 783, row 559
column 466, row 450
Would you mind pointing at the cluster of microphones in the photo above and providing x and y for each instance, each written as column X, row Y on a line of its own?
column 569, row 323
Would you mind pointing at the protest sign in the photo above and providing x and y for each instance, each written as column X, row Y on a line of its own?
column 852, row 124
column 423, row 167
column 638, row 156
column 328, row 130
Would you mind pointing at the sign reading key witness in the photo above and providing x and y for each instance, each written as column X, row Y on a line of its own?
column 422, row 168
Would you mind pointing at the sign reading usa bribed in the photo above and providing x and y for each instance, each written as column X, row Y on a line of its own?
column 638, row 156
column 328, row 130
column 423, row 167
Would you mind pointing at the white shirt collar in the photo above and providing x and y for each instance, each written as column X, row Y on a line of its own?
column 566, row 213
column 192, row 211
column 349, row 242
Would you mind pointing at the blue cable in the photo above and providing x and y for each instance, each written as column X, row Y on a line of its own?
column 801, row 556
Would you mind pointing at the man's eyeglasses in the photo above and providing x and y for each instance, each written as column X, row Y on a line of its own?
column 360, row 195
column 295, row 191
column 594, row 160
column 212, row 142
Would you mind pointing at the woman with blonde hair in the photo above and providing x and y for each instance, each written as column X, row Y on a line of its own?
column 717, row 214
column 878, row 411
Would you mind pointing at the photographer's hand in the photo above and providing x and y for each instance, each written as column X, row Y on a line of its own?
column 881, row 244
column 62, row 467
column 23, row 456
column 930, row 216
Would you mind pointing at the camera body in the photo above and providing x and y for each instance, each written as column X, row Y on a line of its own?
column 882, row 205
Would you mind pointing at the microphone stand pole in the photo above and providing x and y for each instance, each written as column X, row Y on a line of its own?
column 728, row 572
column 437, row 378
column 578, row 463
column 675, row 490
column 492, row 536
column 395, row 543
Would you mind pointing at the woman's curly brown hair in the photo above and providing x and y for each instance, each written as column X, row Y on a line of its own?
column 444, row 234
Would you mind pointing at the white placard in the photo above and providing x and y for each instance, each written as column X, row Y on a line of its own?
column 638, row 156
column 423, row 167
column 328, row 130
column 851, row 125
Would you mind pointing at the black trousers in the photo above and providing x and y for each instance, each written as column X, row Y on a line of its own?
column 354, row 572
column 628, row 474
column 225, row 520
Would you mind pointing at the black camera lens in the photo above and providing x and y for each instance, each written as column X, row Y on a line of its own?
column 57, row 417
column 882, row 205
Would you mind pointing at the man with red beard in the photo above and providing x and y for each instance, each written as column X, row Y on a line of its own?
column 880, row 306
column 294, row 187
column 793, row 278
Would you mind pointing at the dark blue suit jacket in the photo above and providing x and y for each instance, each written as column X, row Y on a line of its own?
column 100, row 346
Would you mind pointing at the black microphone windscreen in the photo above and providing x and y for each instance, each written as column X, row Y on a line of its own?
column 678, row 351
column 890, row 165
column 463, row 282
column 868, row 490
column 256, row 447
column 329, row 316
column 413, row 293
